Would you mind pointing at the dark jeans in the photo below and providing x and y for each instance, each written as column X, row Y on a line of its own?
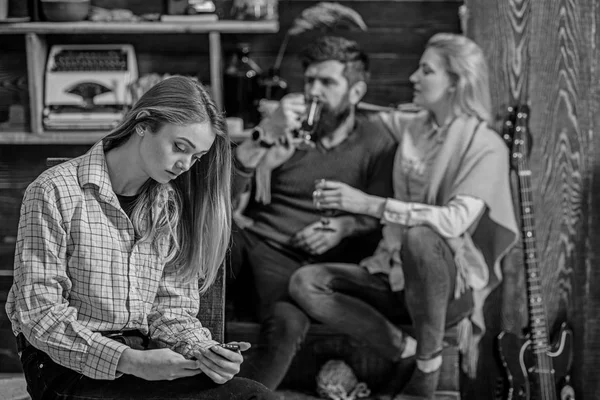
column 352, row 301
column 47, row 380
column 283, row 324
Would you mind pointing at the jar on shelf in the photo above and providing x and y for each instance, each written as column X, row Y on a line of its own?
column 241, row 87
column 255, row 10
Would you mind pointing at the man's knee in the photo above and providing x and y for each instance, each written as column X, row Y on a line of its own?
column 305, row 280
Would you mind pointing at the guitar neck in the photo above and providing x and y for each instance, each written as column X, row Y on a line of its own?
column 535, row 303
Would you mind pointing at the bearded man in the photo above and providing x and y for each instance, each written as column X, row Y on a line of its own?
column 282, row 229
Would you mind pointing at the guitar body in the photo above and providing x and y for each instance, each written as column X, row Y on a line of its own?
column 519, row 363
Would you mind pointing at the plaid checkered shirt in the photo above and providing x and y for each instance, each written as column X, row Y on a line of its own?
column 79, row 272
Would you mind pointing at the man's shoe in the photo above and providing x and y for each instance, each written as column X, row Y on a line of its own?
column 402, row 371
column 421, row 386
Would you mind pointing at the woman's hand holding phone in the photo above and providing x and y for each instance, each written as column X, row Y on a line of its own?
column 222, row 362
column 230, row 346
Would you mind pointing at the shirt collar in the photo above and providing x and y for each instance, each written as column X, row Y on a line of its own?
column 93, row 171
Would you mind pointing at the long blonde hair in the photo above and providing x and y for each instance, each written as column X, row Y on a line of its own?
column 188, row 220
column 467, row 66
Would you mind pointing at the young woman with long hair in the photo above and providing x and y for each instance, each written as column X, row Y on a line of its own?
column 111, row 248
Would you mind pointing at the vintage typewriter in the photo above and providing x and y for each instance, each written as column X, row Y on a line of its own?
column 87, row 87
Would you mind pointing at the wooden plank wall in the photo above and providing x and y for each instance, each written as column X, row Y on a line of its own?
column 398, row 30
column 546, row 54
column 564, row 91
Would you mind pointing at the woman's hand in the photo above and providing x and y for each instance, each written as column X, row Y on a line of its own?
column 334, row 195
column 220, row 364
column 157, row 364
column 288, row 115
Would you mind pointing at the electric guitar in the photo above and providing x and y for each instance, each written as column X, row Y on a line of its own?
column 534, row 369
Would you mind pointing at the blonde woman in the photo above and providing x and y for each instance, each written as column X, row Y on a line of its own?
column 111, row 247
column 450, row 222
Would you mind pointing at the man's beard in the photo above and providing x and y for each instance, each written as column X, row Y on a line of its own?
column 331, row 119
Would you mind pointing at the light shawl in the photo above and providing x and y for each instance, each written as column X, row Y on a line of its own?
column 473, row 161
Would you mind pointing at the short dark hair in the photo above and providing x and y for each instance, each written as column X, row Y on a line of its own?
column 348, row 52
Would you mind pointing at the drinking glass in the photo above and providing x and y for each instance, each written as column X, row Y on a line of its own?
column 326, row 214
column 303, row 135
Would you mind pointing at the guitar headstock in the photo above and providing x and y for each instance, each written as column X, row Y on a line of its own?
column 516, row 135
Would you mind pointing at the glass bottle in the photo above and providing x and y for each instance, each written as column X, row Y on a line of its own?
column 241, row 87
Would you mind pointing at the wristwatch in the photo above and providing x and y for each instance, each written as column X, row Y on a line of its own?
column 257, row 135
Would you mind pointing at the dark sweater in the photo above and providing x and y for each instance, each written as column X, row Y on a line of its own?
column 364, row 161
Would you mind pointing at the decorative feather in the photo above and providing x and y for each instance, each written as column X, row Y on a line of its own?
column 327, row 16
column 322, row 16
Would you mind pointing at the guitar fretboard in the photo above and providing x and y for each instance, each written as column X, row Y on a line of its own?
column 537, row 312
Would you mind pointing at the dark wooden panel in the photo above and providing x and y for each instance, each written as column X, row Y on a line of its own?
column 384, row 67
column 212, row 307
column 12, row 43
column 9, row 215
column 506, row 49
column 13, row 76
column 564, row 56
column 13, row 82
column 381, row 14
column 401, row 40
column 9, row 361
column 19, row 165
column 559, row 96
column 587, row 277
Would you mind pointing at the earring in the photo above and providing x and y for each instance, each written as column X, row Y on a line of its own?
column 140, row 131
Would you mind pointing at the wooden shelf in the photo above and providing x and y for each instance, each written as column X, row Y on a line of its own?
column 51, row 137
column 75, row 137
column 87, row 27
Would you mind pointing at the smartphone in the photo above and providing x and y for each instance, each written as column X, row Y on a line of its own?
column 229, row 346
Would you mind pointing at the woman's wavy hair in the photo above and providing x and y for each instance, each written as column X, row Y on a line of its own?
column 467, row 66
column 187, row 220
